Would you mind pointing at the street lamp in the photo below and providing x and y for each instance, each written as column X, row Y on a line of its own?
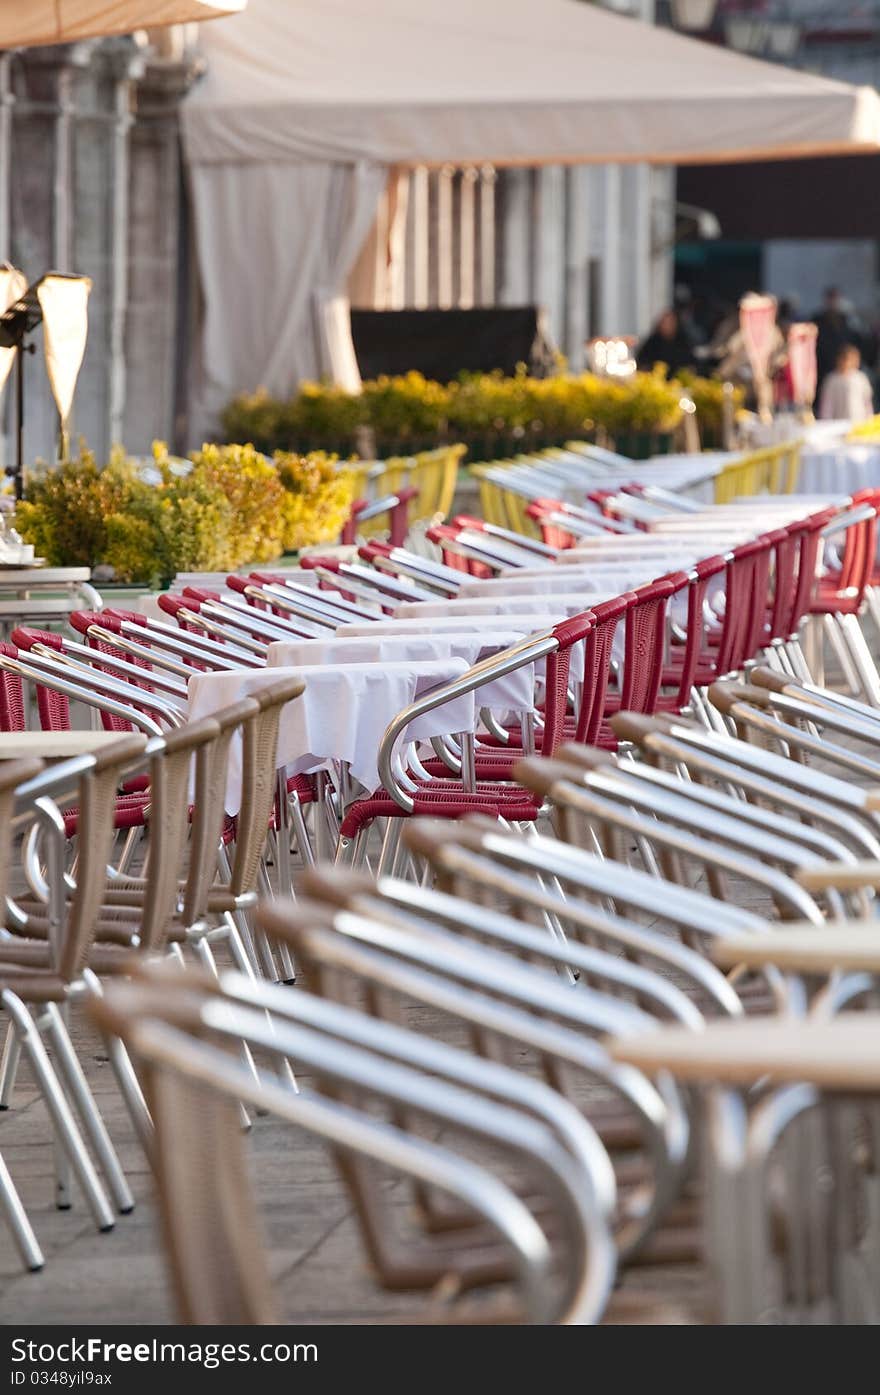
column 693, row 14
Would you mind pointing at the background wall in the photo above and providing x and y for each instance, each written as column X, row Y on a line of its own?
column 90, row 182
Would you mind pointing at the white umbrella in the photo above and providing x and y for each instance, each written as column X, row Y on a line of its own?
column 23, row 25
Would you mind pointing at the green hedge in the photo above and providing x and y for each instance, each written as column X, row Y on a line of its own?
column 494, row 415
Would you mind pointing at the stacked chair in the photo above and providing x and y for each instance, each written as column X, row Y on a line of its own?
column 598, row 993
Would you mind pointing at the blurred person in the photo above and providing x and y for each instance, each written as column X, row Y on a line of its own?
column 846, row 393
column 836, row 332
column 667, row 343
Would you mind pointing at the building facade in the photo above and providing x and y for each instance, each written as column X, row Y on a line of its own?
column 90, row 182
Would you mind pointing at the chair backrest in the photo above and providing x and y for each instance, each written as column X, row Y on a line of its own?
column 443, row 534
column 109, row 719
column 170, row 776
column 209, row 786
column 387, row 1075
column 346, row 952
column 857, row 563
column 739, row 598
column 755, row 634
column 597, row 665
column 96, row 804
column 173, row 605
column 53, row 708
column 589, row 801
column 546, row 513
column 645, row 629
column 810, row 534
column 12, row 774
column 786, row 548
column 695, row 650
column 12, row 713
column 210, row 1222
column 258, row 782
column 567, row 633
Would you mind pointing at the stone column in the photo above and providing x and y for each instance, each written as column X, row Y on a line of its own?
column 156, row 313
column 48, row 86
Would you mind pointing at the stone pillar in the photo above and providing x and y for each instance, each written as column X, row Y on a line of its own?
column 577, row 266
column 513, row 209
column 49, row 86
column 548, row 247
column 662, row 238
column 612, row 262
column 155, row 317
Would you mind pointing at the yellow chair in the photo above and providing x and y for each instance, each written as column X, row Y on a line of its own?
column 771, row 470
column 503, row 507
column 434, row 474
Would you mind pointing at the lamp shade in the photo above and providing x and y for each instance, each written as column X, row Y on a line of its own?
column 693, row 14
column 802, row 363
column 64, row 303
column 68, row 21
column 757, row 322
column 13, row 284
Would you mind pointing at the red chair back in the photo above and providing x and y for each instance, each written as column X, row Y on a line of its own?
column 444, row 533
column 12, row 715
column 552, row 533
column 695, row 653
column 785, row 567
column 53, row 708
column 756, row 632
column 575, row 630
column 808, row 557
column 597, row 665
column 739, row 594
column 645, row 643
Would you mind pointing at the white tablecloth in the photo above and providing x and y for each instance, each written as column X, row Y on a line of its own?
column 609, row 579
column 839, row 469
column 513, row 692
column 342, row 715
column 516, row 623
column 558, row 605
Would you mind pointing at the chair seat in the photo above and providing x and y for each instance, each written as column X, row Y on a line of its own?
column 450, row 801
column 34, row 956
column 131, row 812
column 30, row 976
column 833, row 602
column 303, row 786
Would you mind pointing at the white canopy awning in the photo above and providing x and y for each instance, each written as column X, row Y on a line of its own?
column 507, row 81
column 28, row 23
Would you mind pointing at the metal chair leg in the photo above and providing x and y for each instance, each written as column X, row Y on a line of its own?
column 389, row 846
column 126, row 1078
column 301, row 833
column 837, row 640
column 9, row 1065
column 862, row 659
column 62, row 1117
column 78, row 1088
column 19, row 1225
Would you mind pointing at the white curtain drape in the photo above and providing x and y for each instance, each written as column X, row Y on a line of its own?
column 275, row 244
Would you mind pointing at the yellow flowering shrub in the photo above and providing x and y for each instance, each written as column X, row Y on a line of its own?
column 225, row 508
column 406, row 405
column 317, row 498
column 252, row 487
column 408, row 411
